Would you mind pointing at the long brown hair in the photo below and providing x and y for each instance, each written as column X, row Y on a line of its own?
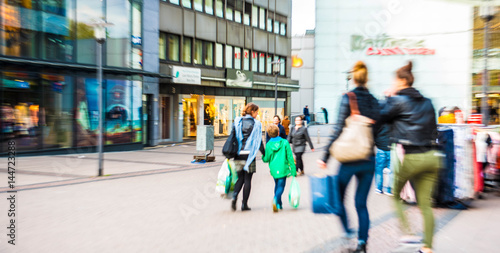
column 405, row 73
column 249, row 108
column 360, row 73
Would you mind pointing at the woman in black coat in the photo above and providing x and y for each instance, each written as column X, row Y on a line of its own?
column 298, row 137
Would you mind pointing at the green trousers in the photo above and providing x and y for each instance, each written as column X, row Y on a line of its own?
column 422, row 170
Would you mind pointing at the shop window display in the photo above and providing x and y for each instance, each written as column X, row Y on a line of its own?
column 118, row 112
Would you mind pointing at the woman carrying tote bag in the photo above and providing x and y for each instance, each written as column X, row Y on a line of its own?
column 362, row 169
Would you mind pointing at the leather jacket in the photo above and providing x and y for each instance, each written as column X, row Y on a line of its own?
column 412, row 117
column 368, row 106
column 247, row 127
column 298, row 139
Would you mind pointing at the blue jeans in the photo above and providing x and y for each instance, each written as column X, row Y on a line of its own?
column 308, row 119
column 383, row 160
column 279, row 188
column 363, row 171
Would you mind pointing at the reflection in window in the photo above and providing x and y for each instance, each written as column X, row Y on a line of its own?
column 255, row 16
column 247, row 14
column 163, row 46
column 198, row 52
column 283, row 29
column 137, row 33
column 198, row 5
column 187, row 4
column 117, row 52
column 229, row 57
column 219, row 55
column 262, row 62
column 237, row 58
column 255, row 61
column 219, row 8
column 246, row 59
column 174, row 2
column 209, row 54
column 276, row 27
column 173, row 47
column 269, row 64
column 229, row 13
column 118, row 112
column 262, row 18
column 85, row 44
column 237, row 16
column 209, row 7
column 270, row 25
column 186, row 50
column 282, row 66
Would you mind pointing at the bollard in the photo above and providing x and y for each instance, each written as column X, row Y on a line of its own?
column 318, row 135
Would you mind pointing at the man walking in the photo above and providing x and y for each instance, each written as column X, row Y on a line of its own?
column 325, row 112
column 307, row 116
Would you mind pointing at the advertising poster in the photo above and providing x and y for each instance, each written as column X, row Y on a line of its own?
column 118, row 112
column 137, row 110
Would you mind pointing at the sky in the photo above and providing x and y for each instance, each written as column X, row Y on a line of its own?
column 303, row 13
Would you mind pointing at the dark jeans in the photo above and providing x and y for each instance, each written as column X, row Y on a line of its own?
column 244, row 178
column 279, row 188
column 299, row 164
column 364, row 171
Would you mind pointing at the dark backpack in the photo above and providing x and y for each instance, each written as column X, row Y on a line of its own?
column 230, row 148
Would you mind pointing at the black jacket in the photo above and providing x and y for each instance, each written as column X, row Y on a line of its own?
column 412, row 117
column 368, row 106
column 247, row 127
column 282, row 133
column 298, row 139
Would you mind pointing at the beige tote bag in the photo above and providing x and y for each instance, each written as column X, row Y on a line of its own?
column 355, row 143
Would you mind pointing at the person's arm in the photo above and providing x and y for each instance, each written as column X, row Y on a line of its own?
column 308, row 139
column 344, row 112
column 266, row 156
column 262, row 148
column 390, row 110
column 290, row 160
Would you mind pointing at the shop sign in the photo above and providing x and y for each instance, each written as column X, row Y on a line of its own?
column 239, row 78
column 136, row 40
column 385, row 45
column 186, row 75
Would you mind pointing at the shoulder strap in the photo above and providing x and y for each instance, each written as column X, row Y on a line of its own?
column 353, row 103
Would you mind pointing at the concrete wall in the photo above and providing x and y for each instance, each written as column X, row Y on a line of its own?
column 303, row 48
column 444, row 77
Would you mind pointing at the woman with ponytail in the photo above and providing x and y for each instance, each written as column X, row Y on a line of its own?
column 363, row 170
column 413, row 121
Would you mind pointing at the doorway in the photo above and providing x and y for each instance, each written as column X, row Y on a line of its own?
column 166, row 118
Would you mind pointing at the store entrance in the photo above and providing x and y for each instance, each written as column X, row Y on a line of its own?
column 165, row 110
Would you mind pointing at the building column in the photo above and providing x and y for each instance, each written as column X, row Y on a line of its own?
column 201, row 110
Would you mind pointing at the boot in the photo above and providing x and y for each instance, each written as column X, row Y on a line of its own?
column 233, row 203
column 244, row 207
column 361, row 248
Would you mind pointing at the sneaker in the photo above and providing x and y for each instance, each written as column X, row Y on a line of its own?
column 378, row 191
column 388, row 193
column 280, row 207
column 275, row 207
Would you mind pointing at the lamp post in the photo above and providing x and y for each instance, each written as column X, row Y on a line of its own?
column 276, row 71
column 487, row 13
column 100, row 38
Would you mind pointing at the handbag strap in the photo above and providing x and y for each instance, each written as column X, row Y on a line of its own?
column 353, row 103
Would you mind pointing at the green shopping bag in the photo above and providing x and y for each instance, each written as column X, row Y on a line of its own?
column 294, row 194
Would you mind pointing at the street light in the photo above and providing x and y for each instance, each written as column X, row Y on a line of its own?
column 100, row 38
column 487, row 13
column 276, row 71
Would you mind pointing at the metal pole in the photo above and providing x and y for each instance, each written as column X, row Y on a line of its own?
column 276, row 95
column 99, row 82
column 484, row 102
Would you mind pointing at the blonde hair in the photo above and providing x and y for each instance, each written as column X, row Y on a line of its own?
column 273, row 130
column 360, row 73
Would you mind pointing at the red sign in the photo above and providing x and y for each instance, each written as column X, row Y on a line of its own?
column 400, row 51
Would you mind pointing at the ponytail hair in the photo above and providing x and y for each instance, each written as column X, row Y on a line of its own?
column 360, row 73
column 405, row 73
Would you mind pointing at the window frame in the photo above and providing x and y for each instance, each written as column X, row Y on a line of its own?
column 223, row 55
column 184, row 39
column 167, row 47
column 204, row 44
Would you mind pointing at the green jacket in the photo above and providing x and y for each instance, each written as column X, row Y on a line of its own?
column 280, row 158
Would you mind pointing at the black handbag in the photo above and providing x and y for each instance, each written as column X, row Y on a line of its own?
column 230, row 148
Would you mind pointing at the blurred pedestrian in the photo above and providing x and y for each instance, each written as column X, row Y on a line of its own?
column 298, row 137
column 280, row 158
column 363, row 170
column 325, row 113
column 286, row 125
column 307, row 116
column 249, row 136
column 414, row 126
column 383, row 161
column 277, row 122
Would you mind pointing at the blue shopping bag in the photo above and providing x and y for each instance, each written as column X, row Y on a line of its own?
column 325, row 194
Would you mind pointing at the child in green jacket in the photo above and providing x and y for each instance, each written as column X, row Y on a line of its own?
column 281, row 164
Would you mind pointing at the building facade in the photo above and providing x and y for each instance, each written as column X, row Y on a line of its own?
column 219, row 54
column 48, row 87
column 386, row 35
column 303, row 71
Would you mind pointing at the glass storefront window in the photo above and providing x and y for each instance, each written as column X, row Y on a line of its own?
column 246, row 59
column 219, row 8
column 137, row 35
column 186, row 4
column 229, row 57
column 209, row 7
column 262, row 18
column 198, row 52
column 118, row 53
column 219, row 52
column 173, row 47
column 162, row 53
column 186, row 50
column 118, row 112
column 266, row 110
column 237, row 58
column 137, row 111
column 85, row 44
column 198, row 5
column 87, row 112
column 209, row 53
column 255, row 15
